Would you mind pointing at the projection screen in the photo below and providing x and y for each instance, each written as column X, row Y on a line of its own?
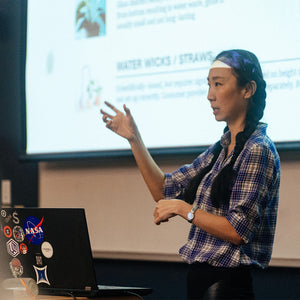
column 153, row 56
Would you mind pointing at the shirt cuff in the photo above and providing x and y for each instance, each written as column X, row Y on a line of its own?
column 238, row 223
column 170, row 188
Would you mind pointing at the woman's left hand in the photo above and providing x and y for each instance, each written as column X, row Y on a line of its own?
column 166, row 209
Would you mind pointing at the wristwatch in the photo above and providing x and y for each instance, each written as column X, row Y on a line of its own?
column 191, row 214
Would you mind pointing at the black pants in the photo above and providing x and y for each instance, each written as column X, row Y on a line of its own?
column 207, row 282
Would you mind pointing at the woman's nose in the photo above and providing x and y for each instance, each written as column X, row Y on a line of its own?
column 210, row 95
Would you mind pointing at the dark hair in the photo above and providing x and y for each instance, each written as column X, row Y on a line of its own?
column 246, row 68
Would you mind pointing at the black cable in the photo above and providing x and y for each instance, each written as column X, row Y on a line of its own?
column 71, row 295
column 134, row 294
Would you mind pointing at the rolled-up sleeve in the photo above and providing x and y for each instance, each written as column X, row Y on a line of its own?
column 251, row 191
column 171, row 189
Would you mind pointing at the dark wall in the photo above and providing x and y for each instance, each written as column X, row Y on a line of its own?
column 167, row 279
column 23, row 175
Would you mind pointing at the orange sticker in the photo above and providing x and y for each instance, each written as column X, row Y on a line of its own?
column 7, row 231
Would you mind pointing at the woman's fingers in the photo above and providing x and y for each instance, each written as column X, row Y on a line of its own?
column 126, row 109
column 159, row 214
column 105, row 114
column 111, row 106
column 121, row 122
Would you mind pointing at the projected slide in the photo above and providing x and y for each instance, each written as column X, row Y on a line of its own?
column 154, row 56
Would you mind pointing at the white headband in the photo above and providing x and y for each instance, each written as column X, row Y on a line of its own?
column 219, row 64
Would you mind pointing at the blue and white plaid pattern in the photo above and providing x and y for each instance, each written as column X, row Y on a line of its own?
column 252, row 209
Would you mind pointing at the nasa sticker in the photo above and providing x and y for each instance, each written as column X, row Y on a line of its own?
column 47, row 249
column 18, row 233
column 16, row 268
column 34, row 230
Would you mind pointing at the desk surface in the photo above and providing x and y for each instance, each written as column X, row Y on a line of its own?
column 45, row 297
column 84, row 298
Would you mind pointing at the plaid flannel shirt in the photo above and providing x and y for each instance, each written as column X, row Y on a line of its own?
column 252, row 209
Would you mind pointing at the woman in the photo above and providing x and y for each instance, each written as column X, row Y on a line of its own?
column 230, row 191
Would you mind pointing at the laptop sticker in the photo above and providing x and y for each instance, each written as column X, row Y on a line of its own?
column 3, row 213
column 16, row 268
column 47, row 249
column 23, row 248
column 15, row 217
column 39, row 260
column 13, row 248
column 7, row 231
column 18, row 233
column 7, row 219
column 41, row 275
column 34, row 230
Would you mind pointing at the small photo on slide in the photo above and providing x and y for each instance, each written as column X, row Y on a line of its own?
column 90, row 18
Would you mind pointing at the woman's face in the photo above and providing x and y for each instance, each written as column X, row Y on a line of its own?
column 227, row 99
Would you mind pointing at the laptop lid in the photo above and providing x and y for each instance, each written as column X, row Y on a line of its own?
column 49, row 245
column 52, row 246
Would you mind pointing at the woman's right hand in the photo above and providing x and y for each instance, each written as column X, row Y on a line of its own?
column 120, row 123
column 124, row 125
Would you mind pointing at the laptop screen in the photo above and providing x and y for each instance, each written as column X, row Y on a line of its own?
column 50, row 245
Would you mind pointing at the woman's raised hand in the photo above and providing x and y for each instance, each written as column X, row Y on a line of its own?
column 120, row 123
column 123, row 124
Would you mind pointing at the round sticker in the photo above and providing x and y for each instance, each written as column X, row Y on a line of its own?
column 34, row 230
column 47, row 250
column 23, row 248
column 7, row 231
column 18, row 233
column 3, row 213
column 16, row 268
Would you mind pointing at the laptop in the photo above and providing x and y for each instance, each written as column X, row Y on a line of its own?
column 52, row 246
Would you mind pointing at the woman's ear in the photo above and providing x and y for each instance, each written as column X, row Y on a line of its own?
column 250, row 89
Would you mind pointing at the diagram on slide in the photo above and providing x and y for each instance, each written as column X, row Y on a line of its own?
column 90, row 18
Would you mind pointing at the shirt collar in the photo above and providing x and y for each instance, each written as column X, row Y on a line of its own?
column 226, row 137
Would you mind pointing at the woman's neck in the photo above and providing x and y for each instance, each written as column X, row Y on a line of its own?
column 234, row 130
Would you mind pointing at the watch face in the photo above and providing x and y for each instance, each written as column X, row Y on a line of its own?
column 190, row 216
